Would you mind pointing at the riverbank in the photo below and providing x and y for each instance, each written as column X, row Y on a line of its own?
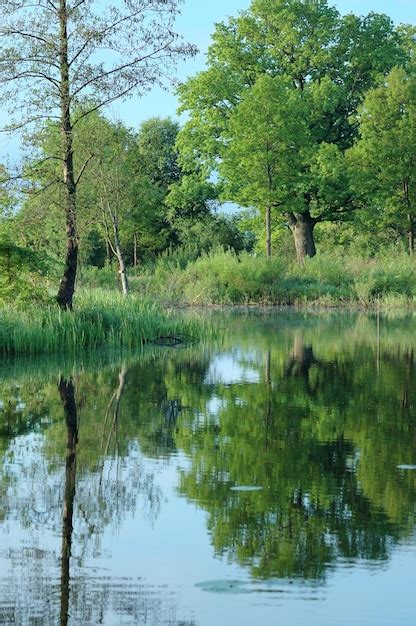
column 100, row 319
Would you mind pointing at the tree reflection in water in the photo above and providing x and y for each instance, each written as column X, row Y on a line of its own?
column 316, row 434
column 67, row 393
column 321, row 428
column 96, row 487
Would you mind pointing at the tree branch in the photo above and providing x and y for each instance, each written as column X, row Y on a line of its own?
column 119, row 68
column 83, row 168
column 99, row 34
column 21, row 33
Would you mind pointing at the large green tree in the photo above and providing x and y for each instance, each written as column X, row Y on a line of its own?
column 329, row 59
column 383, row 161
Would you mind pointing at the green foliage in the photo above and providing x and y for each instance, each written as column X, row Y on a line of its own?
column 265, row 145
column 383, row 160
column 21, row 272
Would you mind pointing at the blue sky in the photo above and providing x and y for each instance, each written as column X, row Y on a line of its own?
column 196, row 24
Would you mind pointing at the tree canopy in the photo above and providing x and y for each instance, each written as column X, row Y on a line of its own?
column 329, row 60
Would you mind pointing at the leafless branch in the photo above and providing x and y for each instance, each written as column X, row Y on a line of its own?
column 120, row 68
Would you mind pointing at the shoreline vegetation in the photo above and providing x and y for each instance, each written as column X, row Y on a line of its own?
column 99, row 320
column 103, row 318
column 222, row 277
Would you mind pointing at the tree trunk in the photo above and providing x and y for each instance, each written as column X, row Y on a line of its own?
column 120, row 258
column 302, row 225
column 67, row 393
column 108, row 251
column 268, row 233
column 135, row 263
column 411, row 234
column 67, row 285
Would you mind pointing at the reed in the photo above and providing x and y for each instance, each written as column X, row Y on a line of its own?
column 100, row 319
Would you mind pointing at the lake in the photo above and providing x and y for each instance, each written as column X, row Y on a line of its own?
column 266, row 477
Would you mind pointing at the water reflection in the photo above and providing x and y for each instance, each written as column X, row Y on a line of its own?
column 67, row 393
column 288, row 435
column 63, row 462
column 322, row 436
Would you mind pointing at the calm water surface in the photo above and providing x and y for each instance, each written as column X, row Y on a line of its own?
column 268, row 478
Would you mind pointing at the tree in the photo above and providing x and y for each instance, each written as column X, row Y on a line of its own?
column 61, row 54
column 155, row 167
column 266, row 141
column 110, row 183
column 383, row 161
column 330, row 60
column 104, row 193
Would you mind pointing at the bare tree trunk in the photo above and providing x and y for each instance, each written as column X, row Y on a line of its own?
column 67, row 393
column 120, row 258
column 107, row 250
column 302, row 225
column 268, row 233
column 67, row 285
column 114, row 241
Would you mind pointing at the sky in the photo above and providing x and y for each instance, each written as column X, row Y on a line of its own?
column 196, row 24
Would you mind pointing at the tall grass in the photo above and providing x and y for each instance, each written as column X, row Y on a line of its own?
column 100, row 319
column 223, row 277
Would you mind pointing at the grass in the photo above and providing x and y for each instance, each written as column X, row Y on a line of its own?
column 100, row 319
column 225, row 278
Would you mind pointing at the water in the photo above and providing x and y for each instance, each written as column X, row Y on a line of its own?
column 267, row 478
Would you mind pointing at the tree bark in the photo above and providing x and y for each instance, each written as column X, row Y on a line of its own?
column 108, row 251
column 67, row 285
column 268, row 233
column 67, row 393
column 302, row 225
